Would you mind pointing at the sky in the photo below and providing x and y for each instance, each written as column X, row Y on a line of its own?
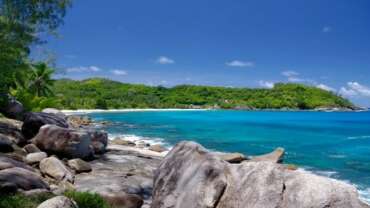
column 238, row 43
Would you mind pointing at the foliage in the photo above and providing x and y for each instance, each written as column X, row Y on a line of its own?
column 21, row 22
column 97, row 92
column 83, row 200
column 87, row 200
column 19, row 200
column 33, row 88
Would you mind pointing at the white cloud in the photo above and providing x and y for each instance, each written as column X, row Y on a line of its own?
column 266, row 84
column 289, row 73
column 326, row 29
column 237, row 63
column 355, row 89
column 83, row 69
column 165, row 60
column 325, row 87
column 118, row 72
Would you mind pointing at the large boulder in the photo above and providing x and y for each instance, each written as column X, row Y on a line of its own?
column 55, row 169
column 99, row 141
column 7, row 162
column 190, row 176
column 11, row 129
column 58, row 202
column 5, row 144
column 68, row 143
column 123, row 200
column 19, row 178
column 10, row 107
column 34, row 121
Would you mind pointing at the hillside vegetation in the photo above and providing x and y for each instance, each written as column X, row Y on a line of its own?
column 106, row 94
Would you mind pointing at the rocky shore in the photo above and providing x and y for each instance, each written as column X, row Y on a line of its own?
column 50, row 152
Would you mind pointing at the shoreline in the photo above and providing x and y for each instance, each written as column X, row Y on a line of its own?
column 88, row 111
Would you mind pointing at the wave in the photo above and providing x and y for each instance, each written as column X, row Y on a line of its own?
column 359, row 137
column 364, row 195
column 136, row 138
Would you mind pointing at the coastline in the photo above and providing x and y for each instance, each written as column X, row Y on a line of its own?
column 88, row 111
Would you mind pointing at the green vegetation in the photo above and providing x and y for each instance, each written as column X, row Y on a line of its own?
column 21, row 22
column 103, row 93
column 19, row 200
column 87, row 200
column 83, row 200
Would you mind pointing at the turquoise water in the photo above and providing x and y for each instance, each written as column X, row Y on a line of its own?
column 334, row 144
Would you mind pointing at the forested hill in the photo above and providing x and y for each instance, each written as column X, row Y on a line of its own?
column 102, row 93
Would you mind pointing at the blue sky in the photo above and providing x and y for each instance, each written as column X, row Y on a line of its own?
column 238, row 43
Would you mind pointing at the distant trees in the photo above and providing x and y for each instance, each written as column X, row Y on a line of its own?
column 103, row 93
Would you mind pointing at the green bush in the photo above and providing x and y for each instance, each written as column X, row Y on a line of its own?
column 87, row 200
column 19, row 200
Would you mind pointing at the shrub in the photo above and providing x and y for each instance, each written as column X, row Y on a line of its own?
column 87, row 200
column 19, row 200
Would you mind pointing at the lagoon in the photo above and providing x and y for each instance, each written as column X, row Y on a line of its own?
column 334, row 144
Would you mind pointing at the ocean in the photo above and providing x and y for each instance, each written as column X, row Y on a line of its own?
column 333, row 144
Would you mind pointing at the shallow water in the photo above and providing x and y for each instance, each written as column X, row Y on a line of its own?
column 335, row 144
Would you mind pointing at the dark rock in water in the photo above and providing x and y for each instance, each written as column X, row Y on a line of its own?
column 21, row 179
column 68, row 143
column 9, row 128
column 31, row 148
column 33, row 122
column 190, row 176
column 275, row 156
column 7, row 162
column 11, row 108
column 99, row 141
column 5, row 144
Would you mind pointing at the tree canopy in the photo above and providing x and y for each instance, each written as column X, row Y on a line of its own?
column 104, row 93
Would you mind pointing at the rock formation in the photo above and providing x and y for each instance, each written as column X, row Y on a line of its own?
column 190, row 176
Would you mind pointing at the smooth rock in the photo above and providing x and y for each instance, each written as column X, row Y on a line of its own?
column 275, row 156
column 5, row 144
column 58, row 202
column 232, row 157
column 55, row 112
column 123, row 200
column 79, row 165
column 68, row 143
column 34, row 121
column 55, row 169
column 12, row 131
column 36, row 157
column 31, row 148
column 157, row 148
column 99, row 141
column 190, row 176
column 21, row 179
column 119, row 141
column 7, row 162
column 11, row 108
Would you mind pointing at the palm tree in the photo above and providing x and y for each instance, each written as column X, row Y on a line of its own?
column 40, row 80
